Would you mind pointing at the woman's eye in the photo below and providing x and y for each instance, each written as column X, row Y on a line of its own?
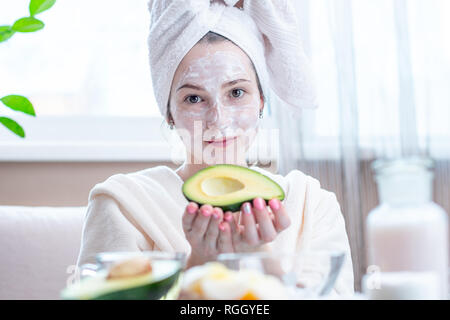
column 193, row 99
column 237, row 93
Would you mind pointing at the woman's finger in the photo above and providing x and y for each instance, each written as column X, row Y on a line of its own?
column 189, row 216
column 281, row 217
column 213, row 229
column 234, row 226
column 267, row 230
column 224, row 242
column 200, row 224
column 250, row 234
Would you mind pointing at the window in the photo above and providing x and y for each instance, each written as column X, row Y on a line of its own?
column 88, row 77
column 90, row 59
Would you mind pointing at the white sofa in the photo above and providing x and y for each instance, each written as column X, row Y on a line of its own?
column 38, row 246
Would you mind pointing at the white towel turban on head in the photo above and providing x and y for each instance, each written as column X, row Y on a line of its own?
column 266, row 30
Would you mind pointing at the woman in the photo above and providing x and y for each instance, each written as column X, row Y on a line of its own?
column 212, row 91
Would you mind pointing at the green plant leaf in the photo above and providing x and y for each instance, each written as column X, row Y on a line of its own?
column 13, row 126
column 28, row 24
column 38, row 6
column 5, row 33
column 18, row 103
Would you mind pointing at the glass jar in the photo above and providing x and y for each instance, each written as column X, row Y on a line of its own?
column 407, row 233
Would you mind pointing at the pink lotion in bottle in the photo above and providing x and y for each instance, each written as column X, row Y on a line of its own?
column 407, row 234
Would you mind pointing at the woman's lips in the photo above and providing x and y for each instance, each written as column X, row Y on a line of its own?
column 222, row 142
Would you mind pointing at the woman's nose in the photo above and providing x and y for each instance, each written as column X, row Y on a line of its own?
column 216, row 117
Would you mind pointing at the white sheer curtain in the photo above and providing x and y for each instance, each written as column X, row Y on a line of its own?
column 382, row 70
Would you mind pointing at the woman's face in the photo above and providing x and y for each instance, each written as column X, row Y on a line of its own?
column 215, row 96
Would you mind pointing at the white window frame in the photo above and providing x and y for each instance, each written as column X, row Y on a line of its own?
column 57, row 139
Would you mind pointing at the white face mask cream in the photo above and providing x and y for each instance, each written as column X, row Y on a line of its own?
column 217, row 92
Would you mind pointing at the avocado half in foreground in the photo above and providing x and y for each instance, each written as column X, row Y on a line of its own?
column 153, row 286
column 229, row 186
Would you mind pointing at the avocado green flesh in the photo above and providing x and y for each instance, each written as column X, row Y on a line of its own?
column 152, row 286
column 229, row 186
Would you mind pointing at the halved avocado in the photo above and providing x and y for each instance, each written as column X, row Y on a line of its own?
column 229, row 186
column 153, row 286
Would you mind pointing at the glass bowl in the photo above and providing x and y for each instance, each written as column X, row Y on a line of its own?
column 161, row 283
column 265, row 276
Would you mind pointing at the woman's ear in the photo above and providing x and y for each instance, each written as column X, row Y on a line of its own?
column 168, row 114
column 169, row 119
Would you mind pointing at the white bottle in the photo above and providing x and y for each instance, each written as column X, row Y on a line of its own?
column 408, row 233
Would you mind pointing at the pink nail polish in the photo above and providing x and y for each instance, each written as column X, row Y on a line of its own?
column 216, row 213
column 206, row 212
column 247, row 208
column 275, row 204
column 228, row 217
column 191, row 209
column 222, row 226
column 259, row 203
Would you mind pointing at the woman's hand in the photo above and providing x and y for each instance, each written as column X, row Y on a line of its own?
column 258, row 226
column 211, row 232
column 206, row 232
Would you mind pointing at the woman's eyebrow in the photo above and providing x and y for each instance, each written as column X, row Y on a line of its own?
column 232, row 83
column 190, row 86
column 228, row 84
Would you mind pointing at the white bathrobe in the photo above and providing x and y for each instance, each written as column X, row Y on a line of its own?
column 143, row 211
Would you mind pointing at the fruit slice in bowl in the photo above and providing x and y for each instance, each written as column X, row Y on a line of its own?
column 131, row 277
column 214, row 281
